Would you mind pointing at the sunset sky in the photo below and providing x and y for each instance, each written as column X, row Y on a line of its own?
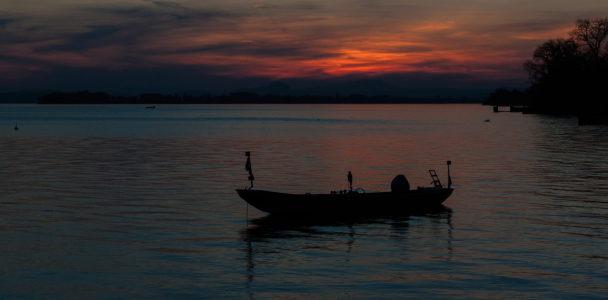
column 136, row 45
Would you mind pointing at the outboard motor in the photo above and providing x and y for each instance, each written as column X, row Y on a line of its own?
column 400, row 184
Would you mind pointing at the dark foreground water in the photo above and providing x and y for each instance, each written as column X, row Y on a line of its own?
column 124, row 202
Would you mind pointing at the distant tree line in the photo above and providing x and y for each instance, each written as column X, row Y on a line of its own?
column 504, row 96
column 567, row 75
column 86, row 97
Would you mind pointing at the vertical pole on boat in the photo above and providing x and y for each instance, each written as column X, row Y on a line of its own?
column 248, row 168
column 449, row 178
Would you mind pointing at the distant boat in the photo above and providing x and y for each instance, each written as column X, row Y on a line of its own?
column 487, row 120
column 16, row 127
column 150, row 106
column 349, row 201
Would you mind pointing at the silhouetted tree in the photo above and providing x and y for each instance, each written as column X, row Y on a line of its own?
column 592, row 37
column 553, row 70
column 567, row 73
column 550, row 58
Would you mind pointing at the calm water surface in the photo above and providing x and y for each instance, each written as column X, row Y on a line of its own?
column 125, row 202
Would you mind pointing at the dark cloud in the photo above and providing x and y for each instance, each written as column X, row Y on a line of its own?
column 98, row 33
column 437, row 62
column 254, row 49
column 146, row 14
column 96, row 37
column 532, row 26
column 120, row 11
column 294, row 6
column 410, row 49
column 4, row 22
column 168, row 4
column 144, row 25
column 141, row 25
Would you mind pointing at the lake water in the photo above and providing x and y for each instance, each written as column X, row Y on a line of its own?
column 126, row 202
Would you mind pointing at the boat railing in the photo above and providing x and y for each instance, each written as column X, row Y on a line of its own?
column 435, row 178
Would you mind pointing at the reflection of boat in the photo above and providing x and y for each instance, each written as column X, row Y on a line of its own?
column 283, row 226
column 348, row 202
column 277, row 226
column 277, row 241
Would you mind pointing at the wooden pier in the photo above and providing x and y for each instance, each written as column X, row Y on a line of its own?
column 512, row 108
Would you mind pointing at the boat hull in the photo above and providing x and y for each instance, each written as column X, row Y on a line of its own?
column 283, row 203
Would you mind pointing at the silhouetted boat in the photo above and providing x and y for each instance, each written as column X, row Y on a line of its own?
column 349, row 202
column 150, row 106
column 16, row 127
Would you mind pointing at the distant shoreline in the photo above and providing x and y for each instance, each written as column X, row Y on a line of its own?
column 139, row 104
column 260, row 103
column 85, row 97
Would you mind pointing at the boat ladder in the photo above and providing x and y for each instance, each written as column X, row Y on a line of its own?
column 436, row 181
